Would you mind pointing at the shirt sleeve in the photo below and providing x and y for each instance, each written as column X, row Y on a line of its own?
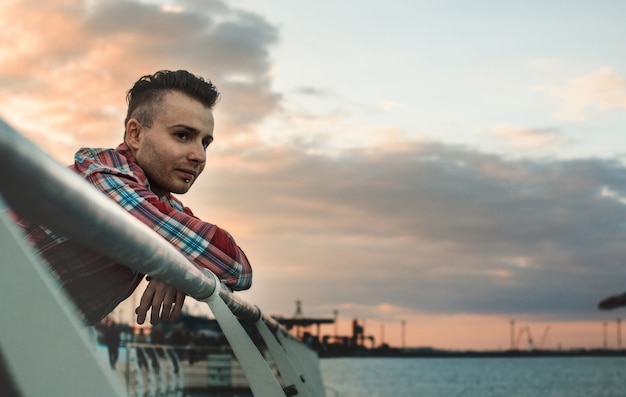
column 204, row 244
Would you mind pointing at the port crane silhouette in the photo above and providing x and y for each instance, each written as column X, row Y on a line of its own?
column 526, row 330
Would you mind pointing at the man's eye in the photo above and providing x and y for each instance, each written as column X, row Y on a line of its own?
column 182, row 135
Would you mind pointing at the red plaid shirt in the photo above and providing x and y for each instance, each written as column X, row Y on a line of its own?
column 97, row 284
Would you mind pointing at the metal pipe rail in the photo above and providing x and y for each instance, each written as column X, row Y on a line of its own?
column 44, row 192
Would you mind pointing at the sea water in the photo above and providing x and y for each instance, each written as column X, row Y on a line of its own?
column 475, row 377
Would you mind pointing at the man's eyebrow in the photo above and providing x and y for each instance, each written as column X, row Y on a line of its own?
column 185, row 126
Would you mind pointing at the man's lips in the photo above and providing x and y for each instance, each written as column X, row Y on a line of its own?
column 187, row 174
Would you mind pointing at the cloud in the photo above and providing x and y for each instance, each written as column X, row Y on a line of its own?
column 389, row 105
column 381, row 224
column 601, row 91
column 65, row 67
column 529, row 138
column 311, row 91
column 429, row 227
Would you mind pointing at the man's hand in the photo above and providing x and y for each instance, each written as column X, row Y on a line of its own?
column 166, row 303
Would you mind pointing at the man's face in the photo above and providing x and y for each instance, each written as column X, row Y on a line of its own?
column 172, row 151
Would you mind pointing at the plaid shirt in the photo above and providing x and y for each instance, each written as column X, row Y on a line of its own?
column 97, row 284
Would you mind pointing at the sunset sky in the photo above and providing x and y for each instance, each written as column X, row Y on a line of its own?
column 453, row 165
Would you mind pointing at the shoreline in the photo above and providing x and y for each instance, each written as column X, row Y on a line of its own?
column 434, row 353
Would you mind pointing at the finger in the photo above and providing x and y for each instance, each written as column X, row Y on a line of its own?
column 178, row 307
column 144, row 303
column 168, row 301
column 157, row 300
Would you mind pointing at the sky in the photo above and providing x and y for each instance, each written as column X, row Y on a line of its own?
column 434, row 169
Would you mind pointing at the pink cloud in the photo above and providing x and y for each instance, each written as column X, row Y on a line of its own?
column 601, row 91
column 65, row 69
column 528, row 138
column 421, row 225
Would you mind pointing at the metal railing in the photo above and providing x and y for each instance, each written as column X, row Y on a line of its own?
column 43, row 191
column 153, row 370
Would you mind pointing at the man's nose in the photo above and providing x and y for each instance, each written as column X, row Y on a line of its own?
column 198, row 153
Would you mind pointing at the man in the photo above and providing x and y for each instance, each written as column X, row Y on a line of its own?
column 168, row 127
column 112, row 339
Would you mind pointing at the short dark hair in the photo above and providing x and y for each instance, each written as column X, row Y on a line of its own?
column 146, row 95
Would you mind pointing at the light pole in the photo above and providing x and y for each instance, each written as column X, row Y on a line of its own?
column 512, row 334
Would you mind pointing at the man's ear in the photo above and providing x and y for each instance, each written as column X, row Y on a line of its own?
column 134, row 134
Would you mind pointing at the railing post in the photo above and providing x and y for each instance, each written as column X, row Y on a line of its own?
column 43, row 342
column 261, row 379
column 304, row 358
column 292, row 375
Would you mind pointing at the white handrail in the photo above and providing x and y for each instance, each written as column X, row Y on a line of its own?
column 43, row 191
column 44, row 349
